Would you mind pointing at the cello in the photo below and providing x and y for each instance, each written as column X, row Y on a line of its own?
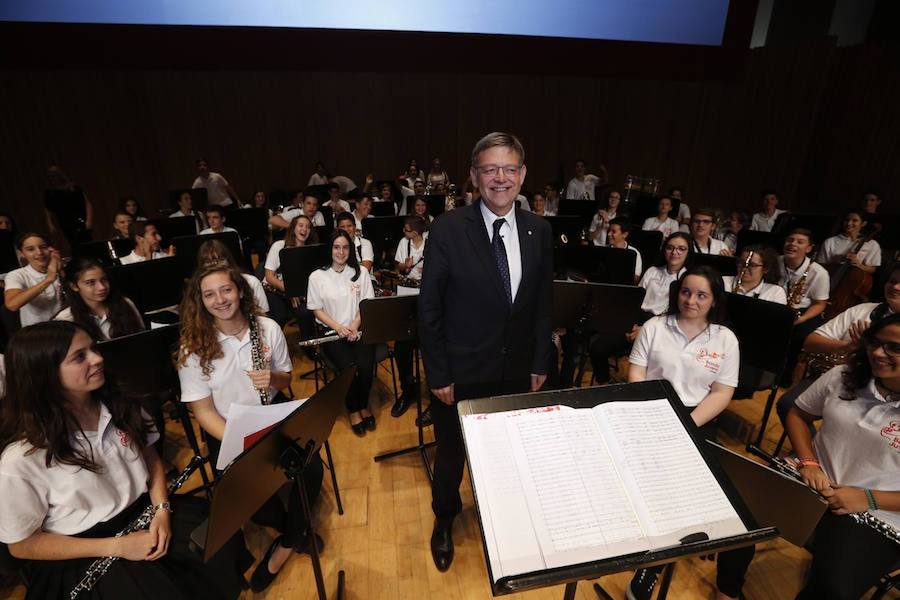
column 850, row 286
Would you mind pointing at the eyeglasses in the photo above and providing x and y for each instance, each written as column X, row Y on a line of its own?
column 491, row 170
column 890, row 348
column 676, row 249
column 751, row 265
column 702, row 221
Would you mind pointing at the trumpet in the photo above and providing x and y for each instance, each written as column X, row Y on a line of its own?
column 742, row 273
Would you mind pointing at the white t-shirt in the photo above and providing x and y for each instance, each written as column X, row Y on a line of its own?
column 668, row 227
column 259, row 294
column 44, row 305
column 763, row 222
column 342, row 206
column 598, row 224
column 836, row 247
column 713, row 247
column 576, row 189
column 405, row 249
column 273, row 259
column 337, row 294
column 65, row 499
column 684, row 212
column 524, row 204
column 345, row 183
column 764, row 291
column 316, row 179
column 691, row 366
column 657, row 281
column 225, row 229
column 817, row 281
column 102, row 322
column 838, row 327
column 858, row 443
column 216, row 189
column 228, row 382
column 134, row 257
column 364, row 250
column 288, row 215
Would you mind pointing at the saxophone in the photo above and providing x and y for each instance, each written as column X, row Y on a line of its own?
column 796, row 291
column 257, row 359
column 100, row 566
column 742, row 273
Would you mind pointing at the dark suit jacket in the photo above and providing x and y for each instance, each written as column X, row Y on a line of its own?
column 469, row 334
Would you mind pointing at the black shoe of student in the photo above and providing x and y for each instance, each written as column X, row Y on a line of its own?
column 369, row 423
column 642, row 584
column 302, row 546
column 359, row 429
column 425, row 419
column 442, row 545
column 407, row 398
column 262, row 577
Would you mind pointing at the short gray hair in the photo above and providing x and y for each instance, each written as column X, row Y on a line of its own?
column 498, row 138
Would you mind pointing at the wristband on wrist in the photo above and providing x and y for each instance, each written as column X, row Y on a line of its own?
column 162, row 506
column 808, row 462
column 873, row 505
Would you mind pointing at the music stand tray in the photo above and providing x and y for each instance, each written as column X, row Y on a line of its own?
column 251, row 223
column 437, row 204
column 188, row 246
column 151, row 284
column 99, row 250
column 298, row 263
column 171, row 228
column 601, row 264
column 583, row 209
column 588, row 398
column 725, row 265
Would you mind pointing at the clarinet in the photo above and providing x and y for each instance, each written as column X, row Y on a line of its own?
column 863, row 518
column 256, row 356
column 739, row 280
column 100, row 566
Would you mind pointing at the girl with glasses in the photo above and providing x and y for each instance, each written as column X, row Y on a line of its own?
column 758, row 275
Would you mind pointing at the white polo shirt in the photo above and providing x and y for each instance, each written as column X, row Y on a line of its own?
column 273, row 258
column 576, row 190
column 858, row 443
column 763, row 222
column 597, row 224
column 836, row 247
column 288, row 215
column 691, row 366
column 259, row 294
column 316, row 179
column 817, row 281
column 656, row 281
column 337, row 294
column 132, row 258
column 838, row 327
column 225, row 229
column 228, row 382
column 763, row 291
column 216, row 188
column 510, row 236
column 43, row 306
column 405, row 249
column 102, row 322
column 667, row 227
column 341, row 206
column 713, row 246
column 65, row 499
column 364, row 249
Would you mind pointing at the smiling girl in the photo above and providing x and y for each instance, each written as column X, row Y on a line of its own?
column 34, row 290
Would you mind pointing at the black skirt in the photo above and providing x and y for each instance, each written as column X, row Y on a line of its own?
column 179, row 575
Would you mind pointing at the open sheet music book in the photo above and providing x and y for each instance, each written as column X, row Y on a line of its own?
column 559, row 486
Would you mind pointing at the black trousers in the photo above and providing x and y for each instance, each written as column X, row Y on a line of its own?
column 450, row 457
column 602, row 347
column 280, row 310
column 848, row 559
column 346, row 354
column 403, row 354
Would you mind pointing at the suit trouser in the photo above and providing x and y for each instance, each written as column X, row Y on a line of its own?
column 450, row 457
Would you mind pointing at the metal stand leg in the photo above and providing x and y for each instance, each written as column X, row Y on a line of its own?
column 334, row 483
column 195, row 446
column 571, row 588
column 601, row 593
column 668, row 572
column 770, row 402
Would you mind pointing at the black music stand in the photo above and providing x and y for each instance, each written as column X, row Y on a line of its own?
column 298, row 263
column 278, row 457
column 821, row 225
column 763, row 330
column 100, row 250
column 725, row 265
column 437, row 204
column 199, row 198
column 384, row 233
column 569, row 225
column 585, row 309
column 647, row 243
column 152, row 377
column 152, row 284
column 171, row 228
column 251, row 223
column 588, row 398
column 600, row 264
column 647, row 205
column 396, row 318
column 381, row 208
column 8, row 259
column 319, row 191
column 328, row 215
column 187, row 247
column 583, row 209
column 748, row 237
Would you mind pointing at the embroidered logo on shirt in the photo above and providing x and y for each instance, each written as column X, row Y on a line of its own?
column 710, row 360
column 355, row 289
column 123, row 439
column 892, row 434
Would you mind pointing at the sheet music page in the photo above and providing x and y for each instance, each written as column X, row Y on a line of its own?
column 510, row 539
column 579, row 508
column 676, row 493
column 244, row 420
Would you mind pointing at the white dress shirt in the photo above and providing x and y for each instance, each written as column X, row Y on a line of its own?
column 510, row 236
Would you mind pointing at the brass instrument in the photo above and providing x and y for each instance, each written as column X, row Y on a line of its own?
column 796, row 291
column 450, row 198
column 742, row 273
column 257, row 359
column 818, row 363
column 100, row 566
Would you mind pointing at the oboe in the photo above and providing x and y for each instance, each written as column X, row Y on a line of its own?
column 256, row 356
column 742, row 273
column 863, row 518
column 100, row 566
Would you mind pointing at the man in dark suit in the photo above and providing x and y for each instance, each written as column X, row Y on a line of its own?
column 484, row 312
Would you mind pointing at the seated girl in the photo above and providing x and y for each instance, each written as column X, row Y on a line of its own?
column 34, row 291
column 299, row 233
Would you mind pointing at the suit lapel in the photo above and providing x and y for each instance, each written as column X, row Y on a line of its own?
column 478, row 236
column 526, row 250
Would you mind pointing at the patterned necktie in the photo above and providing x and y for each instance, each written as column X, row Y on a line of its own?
column 500, row 257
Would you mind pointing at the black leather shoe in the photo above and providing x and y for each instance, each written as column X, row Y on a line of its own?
column 442, row 545
column 425, row 420
column 369, row 423
column 359, row 429
column 262, row 577
column 402, row 404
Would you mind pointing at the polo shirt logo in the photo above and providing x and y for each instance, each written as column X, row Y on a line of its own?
column 892, row 434
column 123, row 439
column 711, row 361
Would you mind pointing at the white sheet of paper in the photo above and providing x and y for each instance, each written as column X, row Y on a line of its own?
column 403, row 290
column 244, row 420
